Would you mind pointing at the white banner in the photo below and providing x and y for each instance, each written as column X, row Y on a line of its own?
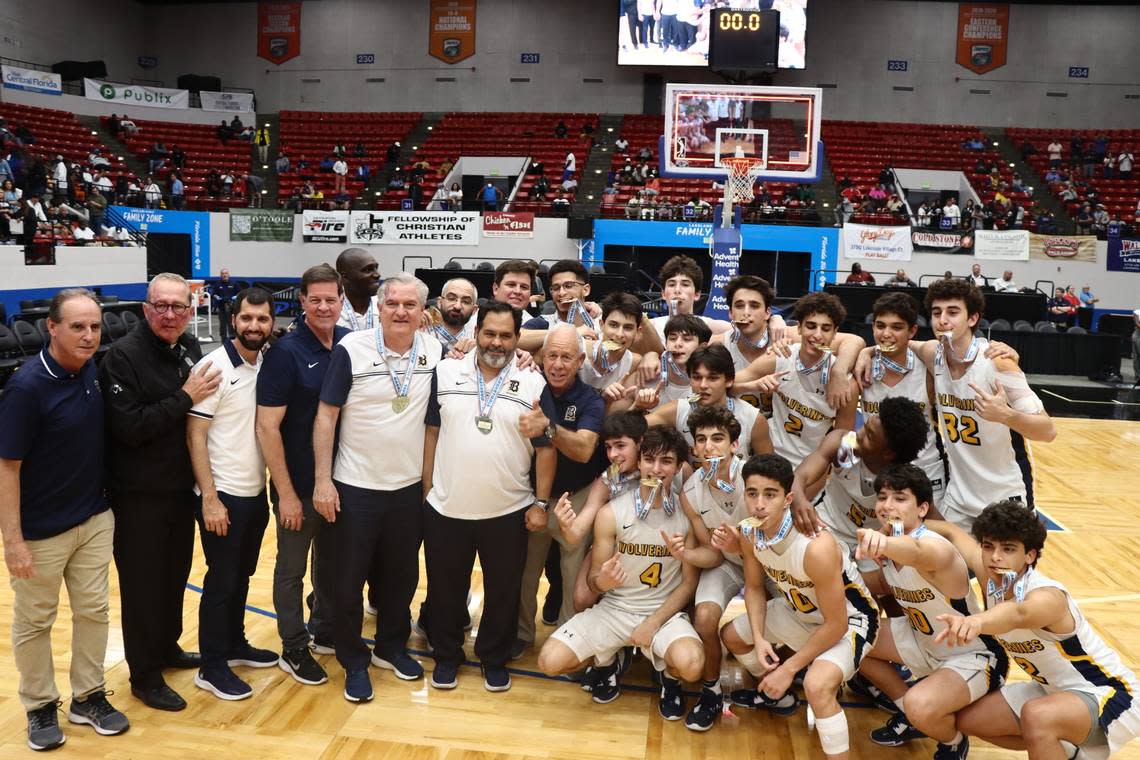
column 33, row 81
column 415, row 228
column 1007, row 245
column 867, row 241
column 324, row 226
column 135, row 94
column 227, row 101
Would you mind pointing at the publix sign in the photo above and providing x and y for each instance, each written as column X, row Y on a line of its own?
column 135, row 94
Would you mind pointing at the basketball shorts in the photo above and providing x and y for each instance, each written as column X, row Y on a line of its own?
column 720, row 585
column 978, row 669
column 605, row 628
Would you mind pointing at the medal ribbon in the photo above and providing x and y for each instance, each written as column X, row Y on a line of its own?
column 401, row 386
column 823, row 364
column 445, row 336
column 485, row 401
column 762, row 542
column 601, row 357
column 578, row 309
column 712, row 464
column 997, row 593
column 898, row 530
column 945, row 342
column 881, row 363
column 349, row 315
column 669, row 365
column 621, row 484
column 743, row 340
column 642, row 508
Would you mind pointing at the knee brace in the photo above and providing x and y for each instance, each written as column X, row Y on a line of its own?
column 751, row 662
column 833, row 733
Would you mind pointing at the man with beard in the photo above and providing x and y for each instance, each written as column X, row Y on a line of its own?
column 481, row 504
column 456, row 303
column 149, row 383
column 360, row 275
column 233, row 510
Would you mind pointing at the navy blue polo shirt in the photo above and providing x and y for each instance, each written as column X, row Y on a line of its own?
column 580, row 407
column 291, row 376
column 53, row 424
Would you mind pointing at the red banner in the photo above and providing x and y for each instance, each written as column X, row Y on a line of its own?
column 983, row 36
column 278, row 31
column 451, row 30
column 508, row 224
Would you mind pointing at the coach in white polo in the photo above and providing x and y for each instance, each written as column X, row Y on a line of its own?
column 479, row 495
column 377, row 387
column 233, row 511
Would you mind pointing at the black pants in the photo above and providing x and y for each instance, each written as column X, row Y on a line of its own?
column 450, row 546
column 230, row 561
column 154, row 547
column 384, row 526
column 225, row 329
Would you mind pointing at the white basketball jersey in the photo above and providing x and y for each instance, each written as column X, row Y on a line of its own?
column 786, row 569
column 674, row 392
column 744, row 413
column 923, row 603
column 716, row 507
column 651, row 572
column 983, row 466
column 849, row 502
column 801, row 416
column 912, row 386
column 591, row 376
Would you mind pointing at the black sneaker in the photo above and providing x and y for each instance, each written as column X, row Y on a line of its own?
column 249, row 655
column 300, row 664
column 405, row 668
column 445, row 676
column 496, row 679
column 97, row 712
column 223, row 684
column 704, row 712
column 872, row 693
column 357, row 686
column 43, row 727
column 896, row 732
column 956, row 752
column 322, row 646
column 753, row 699
column 605, row 686
column 590, row 678
column 671, row 704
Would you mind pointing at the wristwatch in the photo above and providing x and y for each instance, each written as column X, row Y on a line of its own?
column 544, row 503
column 551, row 429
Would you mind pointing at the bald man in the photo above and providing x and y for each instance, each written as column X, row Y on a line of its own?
column 456, row 303
column 360, row 274
column 574, row 428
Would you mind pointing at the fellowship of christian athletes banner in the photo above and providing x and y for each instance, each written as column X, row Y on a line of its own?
column 135, row 94
column 278, row 31
column 414, row 228
column 261, row 225
column 451, row 34
column 324, row 226
column 1067, row 247
column 883, row 243
column 1007, row 245
column 983, row 36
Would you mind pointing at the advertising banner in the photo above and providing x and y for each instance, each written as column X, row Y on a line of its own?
column 43, row 82
column 227, row 101
column 983, row 36
column 508, row 224
column 886, row 243
column 414, row 228
column 928, row 240
column 1123, row 254
column 278, row 31
column 324, row 226
column 195, row 224
column 1007, row 245
column 135, row 94
column 261, row 225
column 451, row 31
column 1069, row 248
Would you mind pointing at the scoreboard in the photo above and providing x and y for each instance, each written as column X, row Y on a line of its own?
column 744, row 39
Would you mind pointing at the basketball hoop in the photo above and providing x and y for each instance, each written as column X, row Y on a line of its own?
column 742, row 174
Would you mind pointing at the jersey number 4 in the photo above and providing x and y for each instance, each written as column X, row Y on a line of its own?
column 794, row 425
column 964, row 429
column 651, row 576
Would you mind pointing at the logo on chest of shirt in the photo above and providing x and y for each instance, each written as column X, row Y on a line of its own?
column 513, row 386
column 422, row 361
column 571, row 414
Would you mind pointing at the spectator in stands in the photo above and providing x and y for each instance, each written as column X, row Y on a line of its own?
column 227, row 182
column 1060, row 310
column 177, row 191
column 621, row 144
column 1117, row 227
column 158, row 154
column 254, row 189
column 420, row 168
column 806, row 195
column 213, row 183
column 1027, row 149
column 922, row 215
column 1100, row 147
column 393, row 152
column 1090, row 161
column 490, row 197
column 235, row 125
column 455, row 197
column 894, row 205
column 59, row 175
column 261, row 140
column 540, row 188
column 1091, row 194
column 24, row 135
column 1015, row 216
column 1108, row 166
column 858, row 276
column 974, row 143
column 1084, row 219
column 396, row 181
column 358, row 150
column 1018, row 185
column 129, row 128
column 1054, row 152
column 6, row 172
column 114, row 126
column 900, row 280
column 364, row 175
column 569, row 185
column 339, row 150
column 1068, row 194
column 340, row 178
column 1087, row 298
column 308, row 192
column 1071, row 297
column 648, row 206
column 81, row 233
column 97, row 159
column 570, row 166
column 1045, row 223
column 587, row 130
column 560, row 206
column 35, row 177
column 152, row 193
column 560, row 129
column 644, row 154
column 886, row 176
column 1100, row 220
column 224, row 132
column 843, row 211
column 96, row 208
column 439, row 201
column 878, row 196
column 1124, row 162
column 281, row 165
column 968, row 213
column 976, row 277
column 665, row 209
column 952, row 212
column 1076, row 150
column 1006, row 283
column 700, row 207
column 416, row 194
column 326, row 164
column 1054, row 175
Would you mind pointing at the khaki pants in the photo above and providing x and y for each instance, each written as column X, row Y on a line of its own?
column 79, row 557
column 538, row 545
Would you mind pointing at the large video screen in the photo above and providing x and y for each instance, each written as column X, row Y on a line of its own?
column 676, row 32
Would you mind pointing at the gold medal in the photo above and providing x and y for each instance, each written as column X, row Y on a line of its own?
column 694, row 398
column 610, row 345
column 651, row 482
column 484, row 424
column 614, row 471
column 400, row 403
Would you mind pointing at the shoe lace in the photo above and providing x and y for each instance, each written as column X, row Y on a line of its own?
column 43, row 717
column 98, row 705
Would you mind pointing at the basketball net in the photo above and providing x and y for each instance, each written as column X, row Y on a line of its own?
column 742, row 172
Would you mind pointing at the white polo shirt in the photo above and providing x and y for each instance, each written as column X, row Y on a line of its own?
column 479, row 476
column 235, row 457
column 380, row 448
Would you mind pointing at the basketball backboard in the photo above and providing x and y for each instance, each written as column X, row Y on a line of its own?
column 778, row 125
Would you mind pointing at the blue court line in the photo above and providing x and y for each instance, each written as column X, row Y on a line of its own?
column 1050, row 523
column 521, row 671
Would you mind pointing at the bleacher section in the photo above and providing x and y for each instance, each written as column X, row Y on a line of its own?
column 58, row 133
column 310, row 136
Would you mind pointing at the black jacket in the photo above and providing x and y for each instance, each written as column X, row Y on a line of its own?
column 146, row 410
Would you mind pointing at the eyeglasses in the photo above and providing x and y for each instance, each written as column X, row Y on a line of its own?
column 572, row 285
column 452, row 298
column 178, row 308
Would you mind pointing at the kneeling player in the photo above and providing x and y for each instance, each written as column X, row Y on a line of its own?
column 825, row 614
column 1081, row 694
column 929, row 579
column 645, row 586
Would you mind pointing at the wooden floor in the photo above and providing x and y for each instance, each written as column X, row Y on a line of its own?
column 1088, row 480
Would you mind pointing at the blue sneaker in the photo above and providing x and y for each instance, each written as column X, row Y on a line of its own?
column 357, row 685
column 605, row 686
column 405, row 668
column 249, row 655
column 869, row 691
column 671, row 705
column 896, row 732
column 754, row 699
column 445, row 676
column 958, row 751
column 496, row 679
column 222, row 683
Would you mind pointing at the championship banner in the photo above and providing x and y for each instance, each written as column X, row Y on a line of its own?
column 1057, row 247
column 451, row 31
column 135, row 94
column 983, row 36
column 324, row 226
column 261, row 225
column 929, row 240
column 414, row 228
column 1006, row 245
column 278, row 31
column 1123, row 254
column 508, row 224
column 227, row 101
column 886, row 243
column 43, row 82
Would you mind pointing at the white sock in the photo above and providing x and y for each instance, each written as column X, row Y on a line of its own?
column 956, row 740
column 899, row 703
